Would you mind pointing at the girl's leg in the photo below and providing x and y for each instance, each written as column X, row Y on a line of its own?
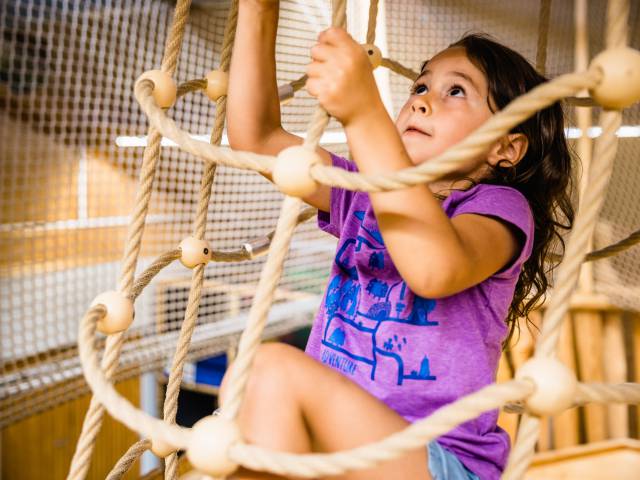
column 294, row 403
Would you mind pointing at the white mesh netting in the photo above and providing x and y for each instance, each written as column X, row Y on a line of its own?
column 68, row 178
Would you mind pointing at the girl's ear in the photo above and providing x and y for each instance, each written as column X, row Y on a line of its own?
column 510, row 148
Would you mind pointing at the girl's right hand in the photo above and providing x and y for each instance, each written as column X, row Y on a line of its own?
column 341, row 77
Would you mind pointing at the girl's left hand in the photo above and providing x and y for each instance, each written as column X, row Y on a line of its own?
column 341, row 76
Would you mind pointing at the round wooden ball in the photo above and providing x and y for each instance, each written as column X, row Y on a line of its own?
column 119, row 312
column 620, row 85
column 161, row 448
column 209, row 443
column 292, row 171
column 374, row 53
column 555, row 385
column 217, row 84
column 194, row 252
column 165, row 89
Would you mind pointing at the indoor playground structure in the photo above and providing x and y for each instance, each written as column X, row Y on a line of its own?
column 211, row 263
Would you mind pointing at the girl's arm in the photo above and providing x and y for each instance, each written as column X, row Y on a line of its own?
column 435, row 255
column 253, row 107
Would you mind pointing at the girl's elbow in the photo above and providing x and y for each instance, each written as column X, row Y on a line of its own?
column 239, row 140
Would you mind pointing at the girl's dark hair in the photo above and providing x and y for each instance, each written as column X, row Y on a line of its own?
column 543, row 175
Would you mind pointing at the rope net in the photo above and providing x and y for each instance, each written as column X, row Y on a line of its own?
column 50, row 362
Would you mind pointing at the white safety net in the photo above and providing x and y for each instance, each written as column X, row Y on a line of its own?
column 71, row 143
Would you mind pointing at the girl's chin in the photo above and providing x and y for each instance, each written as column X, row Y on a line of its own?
column 418, row 158
column 417, row 153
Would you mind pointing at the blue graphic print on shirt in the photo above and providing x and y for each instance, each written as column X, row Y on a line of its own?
column 382, row 334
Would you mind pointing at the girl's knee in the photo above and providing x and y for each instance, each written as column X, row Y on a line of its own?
column 271, row 363
column 273, row 355
column 269, row 366
column 270, row 373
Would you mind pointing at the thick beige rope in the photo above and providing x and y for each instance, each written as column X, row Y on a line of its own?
column 128, row 459
column 615, row 248
column 606, row 393
column 522, row 451
column 145, row 278
column 179, row 357
column 414, row 436
column 272, row 270
column 567, row 278
column 601, row 168
column 594, row 393
column 609, row 251
column 371, row 26
column 400, row 69
column 568, row 273
column 477, row 143
column 200, row 224
column 151, row 271
column 269, row 278
column 543, row 35
column 104, row 391
column 93, row 418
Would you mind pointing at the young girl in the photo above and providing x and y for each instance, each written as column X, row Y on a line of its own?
column 428, row 281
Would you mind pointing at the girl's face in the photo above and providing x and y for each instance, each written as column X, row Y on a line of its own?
column 448, row 101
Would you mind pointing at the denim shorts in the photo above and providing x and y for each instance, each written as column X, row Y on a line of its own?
column 444, row 465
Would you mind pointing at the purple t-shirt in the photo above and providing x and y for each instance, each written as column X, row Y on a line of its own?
column 413, row 353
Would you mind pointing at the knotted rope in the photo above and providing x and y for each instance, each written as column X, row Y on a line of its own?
column 93, row 418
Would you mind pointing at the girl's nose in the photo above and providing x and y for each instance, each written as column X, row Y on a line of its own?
column 420, row 105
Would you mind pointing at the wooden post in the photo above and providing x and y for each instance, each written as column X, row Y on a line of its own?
column 589, row 346
column 565, row 425
column 615, row 371
column 636, row 358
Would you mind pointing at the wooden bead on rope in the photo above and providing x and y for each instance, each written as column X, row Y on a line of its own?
column 620, row 84
column 194, row 252
column 292, row 171
column 556, row 385
column 217, row 84
column 119, row 312
column 165, row 89
column 161, row 448
column 374, row 53
column 209, row 443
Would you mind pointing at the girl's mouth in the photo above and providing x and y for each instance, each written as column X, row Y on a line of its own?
column 414, row 131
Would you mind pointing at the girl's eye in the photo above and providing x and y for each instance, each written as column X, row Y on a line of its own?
column 419, row 89
column 457, row 91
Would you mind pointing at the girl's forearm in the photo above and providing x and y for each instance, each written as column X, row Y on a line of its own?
column 414, row 227
column 253, row 108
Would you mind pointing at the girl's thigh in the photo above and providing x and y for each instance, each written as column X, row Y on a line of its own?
column 337, row 413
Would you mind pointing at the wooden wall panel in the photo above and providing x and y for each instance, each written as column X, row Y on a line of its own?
column 48, row 251
column 41, row 446
column 589, row 345
column 111, row 191
column 593, row 343
column 38, row 179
